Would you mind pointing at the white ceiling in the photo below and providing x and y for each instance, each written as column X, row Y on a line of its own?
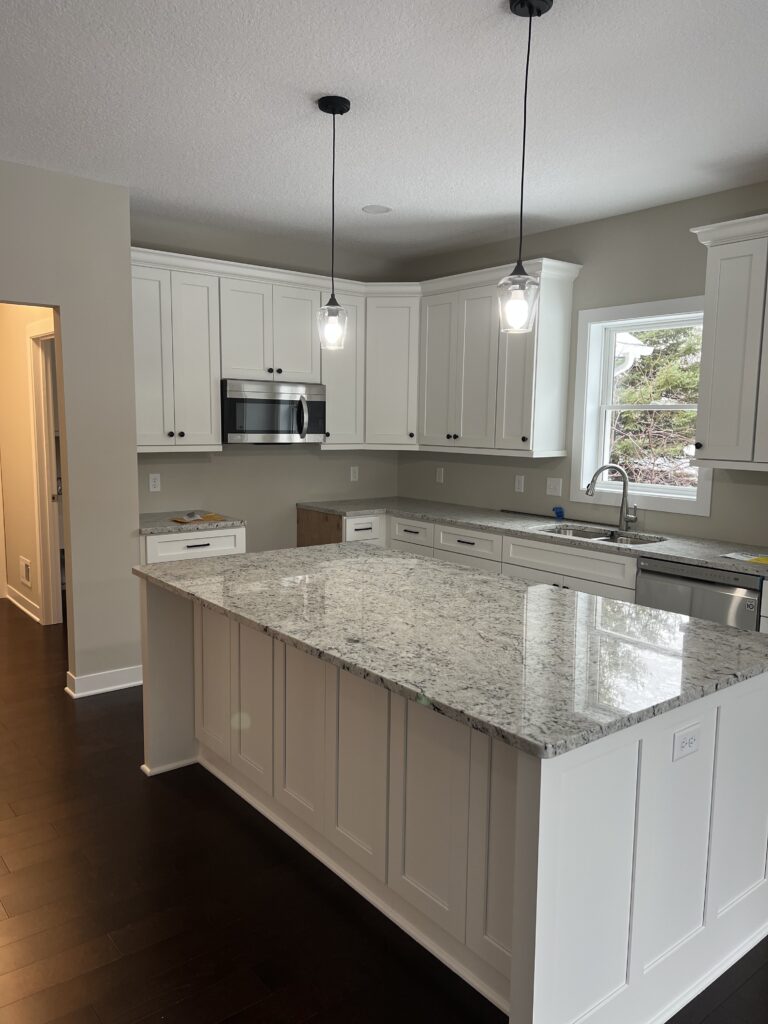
column 205, row 109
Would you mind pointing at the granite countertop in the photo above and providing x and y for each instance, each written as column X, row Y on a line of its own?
column 544, row 669
column 161, row 522
column 691, row 551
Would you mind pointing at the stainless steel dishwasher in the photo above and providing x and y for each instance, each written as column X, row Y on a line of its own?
column 731, row 598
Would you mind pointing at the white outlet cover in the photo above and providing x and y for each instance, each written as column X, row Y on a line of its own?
column 519, row 484
column 686, row 742
column 440, row 475
column 154, row 482
column 354, row 474
column 555, row 486
column 25, row 571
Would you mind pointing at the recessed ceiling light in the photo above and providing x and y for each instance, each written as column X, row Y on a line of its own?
column 375, row 208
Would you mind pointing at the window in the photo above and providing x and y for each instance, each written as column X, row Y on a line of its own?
column 637, row 393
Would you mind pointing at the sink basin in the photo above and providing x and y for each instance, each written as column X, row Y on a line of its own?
column 604, row 534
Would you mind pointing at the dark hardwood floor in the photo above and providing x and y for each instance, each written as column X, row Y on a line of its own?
column 126, row 899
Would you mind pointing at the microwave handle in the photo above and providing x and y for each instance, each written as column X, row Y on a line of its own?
column 304, row 417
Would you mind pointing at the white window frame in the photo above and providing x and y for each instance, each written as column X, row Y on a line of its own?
column 587, row 428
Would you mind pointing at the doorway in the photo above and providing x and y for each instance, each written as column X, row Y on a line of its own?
column 32, row 546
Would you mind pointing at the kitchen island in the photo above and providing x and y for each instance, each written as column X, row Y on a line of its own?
column 564, row 797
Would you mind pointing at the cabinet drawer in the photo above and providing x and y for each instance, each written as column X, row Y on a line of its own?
column 170, row 547
column 599, row 589
column 469, row 561
column 468, row 542
column 524, row 572
column 413, row 532
column 597, row 565
column 364, row 528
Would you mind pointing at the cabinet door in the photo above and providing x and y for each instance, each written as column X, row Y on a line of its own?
column 514, row 397
column 296, row 341
column 761, row 427
column 300, row 734
column 391, row 371
column 196, row 358
column 429, row 813
column 153, row 356
column 357, row 761
column 343, row 373
column 212, row 679
column 437, row 421
column 246, row 329
column 476, row 368
column 252, row 705
column 730, row 349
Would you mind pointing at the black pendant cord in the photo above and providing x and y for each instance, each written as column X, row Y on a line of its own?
column 525, row 132
column 333, row 301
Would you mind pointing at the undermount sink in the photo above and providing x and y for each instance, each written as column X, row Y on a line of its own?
column 625, row 538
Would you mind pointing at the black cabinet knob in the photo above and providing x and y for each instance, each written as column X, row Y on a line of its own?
column 698, row 444
column 523, row 439
column 411, row 434
column 182, row 434
column 447, row 437
column 455, row 437
column 170, row 433
column 270, row 369
column 327, row 434
column 279, row 369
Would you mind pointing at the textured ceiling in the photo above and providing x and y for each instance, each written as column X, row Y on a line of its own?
column 205, row 109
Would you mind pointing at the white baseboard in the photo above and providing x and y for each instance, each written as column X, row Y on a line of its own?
column 103, row 682
column 168, row 767
column 23, row 602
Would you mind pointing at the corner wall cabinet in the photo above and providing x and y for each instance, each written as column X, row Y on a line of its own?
column 732, row 425
column 454, row 384
column 176, row 360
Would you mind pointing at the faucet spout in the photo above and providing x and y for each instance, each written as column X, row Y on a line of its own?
column 625, row 516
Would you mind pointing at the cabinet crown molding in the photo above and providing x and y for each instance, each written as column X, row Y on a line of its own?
column 492, row 275
column 733, row 230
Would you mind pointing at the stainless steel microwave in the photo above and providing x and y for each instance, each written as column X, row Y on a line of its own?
column 265, row 412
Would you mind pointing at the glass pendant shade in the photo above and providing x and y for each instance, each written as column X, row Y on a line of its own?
column 332, row 325
column 518, row 301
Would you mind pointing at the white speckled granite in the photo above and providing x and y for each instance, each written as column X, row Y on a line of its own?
column 543, row 669
column 160, row 522
column 691, row 551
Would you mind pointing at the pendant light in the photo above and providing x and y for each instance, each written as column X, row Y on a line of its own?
column 519, row 291
column 332, row 318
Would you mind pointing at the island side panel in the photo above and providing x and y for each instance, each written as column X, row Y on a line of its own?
column 653, row 870
column 167, row 654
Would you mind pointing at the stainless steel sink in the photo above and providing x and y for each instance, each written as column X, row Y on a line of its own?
column 603, row 534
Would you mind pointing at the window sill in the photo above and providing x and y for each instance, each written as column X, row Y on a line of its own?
column 649, row 502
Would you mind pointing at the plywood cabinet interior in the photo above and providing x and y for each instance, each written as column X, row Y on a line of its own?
column 313, row 527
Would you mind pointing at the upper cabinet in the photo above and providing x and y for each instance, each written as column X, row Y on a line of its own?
column 269, row 332
column 392, row 361
column 485, row 391
column 732, row 424
column 176, row 359
column 344, row 378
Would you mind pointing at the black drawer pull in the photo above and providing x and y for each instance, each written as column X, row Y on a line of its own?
column 206, row 545
column 409, row 531
column 363, row 529
column 471, row 543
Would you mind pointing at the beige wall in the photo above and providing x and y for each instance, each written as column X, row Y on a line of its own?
column 3, row 589
column 65, row 243
column 638, row 257
column 262, row 483
column 18, row 455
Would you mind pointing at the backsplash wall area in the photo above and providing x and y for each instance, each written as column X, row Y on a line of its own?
column 739, row 499
column 262, row 483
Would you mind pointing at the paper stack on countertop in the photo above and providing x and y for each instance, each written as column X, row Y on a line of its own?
column 198, row 517
column 748, row 556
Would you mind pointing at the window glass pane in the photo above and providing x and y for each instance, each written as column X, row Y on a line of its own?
column 655, row 447
column 660, row 365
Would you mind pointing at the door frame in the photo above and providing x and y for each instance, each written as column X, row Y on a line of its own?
column 43, row 382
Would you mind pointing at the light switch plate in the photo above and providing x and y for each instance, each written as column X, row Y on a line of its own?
column 354, row 474
column 154, row 482
column 519, row 484
column 686, row 741
column 25, row 571
column 440, row 475
column 555, row 485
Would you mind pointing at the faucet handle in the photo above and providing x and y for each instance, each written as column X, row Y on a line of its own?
column 632, row 516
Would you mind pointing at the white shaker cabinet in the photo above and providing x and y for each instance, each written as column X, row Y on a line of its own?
column 176, row 359
column 246, row 329
column 391, row 372
column 439, row 328
column 296, row 342
column 732, row 424
column 343, row 373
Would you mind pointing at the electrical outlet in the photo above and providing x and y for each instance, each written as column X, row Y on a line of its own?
column 519, row 483
column 555, row 485
column 686, row 742
column 354, row 474
column 440, row 475
column 154, row 482
column 25, row 571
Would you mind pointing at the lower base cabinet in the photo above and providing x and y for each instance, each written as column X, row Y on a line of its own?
column 252, row 704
